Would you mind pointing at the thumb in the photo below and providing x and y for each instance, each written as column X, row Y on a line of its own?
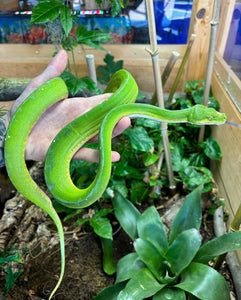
column 54, row 69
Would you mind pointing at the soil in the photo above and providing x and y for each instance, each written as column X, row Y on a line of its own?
column 27, row 228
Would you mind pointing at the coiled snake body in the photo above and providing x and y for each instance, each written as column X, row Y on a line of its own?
column 100, row 119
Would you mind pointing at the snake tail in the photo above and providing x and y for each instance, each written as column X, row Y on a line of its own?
column 15, row 141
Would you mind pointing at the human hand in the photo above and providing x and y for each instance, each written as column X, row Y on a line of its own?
column 60, row 114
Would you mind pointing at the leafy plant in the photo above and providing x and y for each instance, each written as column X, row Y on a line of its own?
column 109, row 70
column 174, row 268
column 55, row 11
column 7, row 256
column 116, row 6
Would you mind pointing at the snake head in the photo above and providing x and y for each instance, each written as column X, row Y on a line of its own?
column 202, row 115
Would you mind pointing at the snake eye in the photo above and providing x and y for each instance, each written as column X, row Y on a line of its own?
column 211, row 118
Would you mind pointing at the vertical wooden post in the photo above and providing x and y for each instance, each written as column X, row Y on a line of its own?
column 200, row 25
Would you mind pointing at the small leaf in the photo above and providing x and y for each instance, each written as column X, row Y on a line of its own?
column 101, row 226
column 139, row 139
column 189, row 215
column 128, row 266
column 211, row 148
column 149, row 159
column 10, row 279
column 141, row 286
column 196, row 280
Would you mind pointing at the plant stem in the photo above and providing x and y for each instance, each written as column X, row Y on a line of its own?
column 158, row 84
column 165, row 75
column 212, row 45
column 181, row 68
column 75, row 68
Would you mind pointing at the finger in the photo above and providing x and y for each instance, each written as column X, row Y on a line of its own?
column 55, row 68
column 92, row 155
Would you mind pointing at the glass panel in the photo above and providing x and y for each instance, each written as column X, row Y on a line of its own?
column 232, row 54
column 172, row 22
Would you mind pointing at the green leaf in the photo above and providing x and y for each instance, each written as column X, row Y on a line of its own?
column 183, row 249
column 108, row 263
column 91, row 38
column 75, row 84
column 109, row 69
column 139, row 191
column 189, row 215
column 149, row 159
column 225, row 243
column 7, row 257
column 10, row 279
column 213, row 103
column 141, row 286
column 46, row 11
column 139, row 139
column 101, row 226
column 196, row 279
column 211, row 148
column 151, row 228
column 127, row 214
column 66, row 19
column 111, row 292
column 128, row 266
column 149, row 255
column 198, row 97
column 169, row 293
column 196, row 176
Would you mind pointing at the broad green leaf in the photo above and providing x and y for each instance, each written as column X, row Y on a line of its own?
column 189, row 215
column 46, row 11
column 66, row 19
column 111, row 292
column 141, row 286
column 101, row 226
column 139, row 139
column 183, row 249
column 109, row 69
column 211, row 148
column 169, row 293
column 225, row 243
column 108, row 263
column 204, row 282
column 151, row 228
column 127, row 214
column 196, row 176
column 128, row 266
column 75, row 84
column 91, row 38
column 149, row 255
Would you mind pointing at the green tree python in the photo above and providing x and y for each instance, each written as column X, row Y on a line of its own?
column 100, row 119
